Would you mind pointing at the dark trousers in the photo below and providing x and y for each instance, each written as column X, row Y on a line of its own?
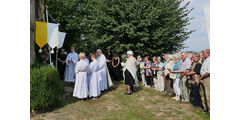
column 195, row 95
column 61, row 70
column 149, row 80
column 169, row 86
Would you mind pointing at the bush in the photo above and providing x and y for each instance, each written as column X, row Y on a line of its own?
column 45, row 87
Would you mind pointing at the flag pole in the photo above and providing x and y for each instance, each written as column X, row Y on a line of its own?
column 49, row 48
column 56, row 57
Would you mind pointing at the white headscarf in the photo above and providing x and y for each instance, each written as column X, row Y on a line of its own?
column 130, row 52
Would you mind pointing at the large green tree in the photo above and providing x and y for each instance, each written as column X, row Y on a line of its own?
column 69, row 13
column 147, row 27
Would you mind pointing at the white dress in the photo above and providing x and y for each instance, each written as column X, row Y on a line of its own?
column 94, row 87
column 81, row 88
column 70, row 66
column 102, row 72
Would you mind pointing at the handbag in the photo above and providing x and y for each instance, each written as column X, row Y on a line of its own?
column 172, row 76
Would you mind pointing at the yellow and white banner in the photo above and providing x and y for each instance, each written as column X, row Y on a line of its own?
column 46, row 33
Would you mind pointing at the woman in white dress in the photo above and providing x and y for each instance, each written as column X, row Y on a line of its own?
column 81, row 88
column 94, row 87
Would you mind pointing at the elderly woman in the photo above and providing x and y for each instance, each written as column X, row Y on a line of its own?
column 154, row 71
column 177, row 81
column 81, row 86
column 129, row 72
column 160, row 75
column 164, row 65
column 169, row 81
column 141, row 66
column 148, row 72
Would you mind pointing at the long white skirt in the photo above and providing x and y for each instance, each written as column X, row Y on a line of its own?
column 81, row 88
column 103, row 80
column 161, row 82
column 177, row 86
column 94, row 87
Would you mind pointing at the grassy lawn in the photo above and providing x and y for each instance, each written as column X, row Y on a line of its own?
column 144, row 104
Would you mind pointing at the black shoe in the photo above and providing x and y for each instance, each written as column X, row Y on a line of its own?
column 207, row 113
column 128, row 93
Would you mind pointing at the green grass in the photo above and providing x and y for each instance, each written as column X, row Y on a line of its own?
column 144, row 104
column 203, row 115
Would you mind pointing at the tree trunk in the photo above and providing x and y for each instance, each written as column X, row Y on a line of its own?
column 36, row 13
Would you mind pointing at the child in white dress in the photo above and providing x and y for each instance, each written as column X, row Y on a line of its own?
column 94, row 87
column 81, row 88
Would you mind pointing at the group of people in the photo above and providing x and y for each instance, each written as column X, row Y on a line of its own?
column 186, row 78
column 89, row 74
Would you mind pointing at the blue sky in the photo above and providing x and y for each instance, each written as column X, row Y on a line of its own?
column 199, row 39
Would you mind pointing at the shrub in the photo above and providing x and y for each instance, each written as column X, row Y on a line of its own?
column 45, row 87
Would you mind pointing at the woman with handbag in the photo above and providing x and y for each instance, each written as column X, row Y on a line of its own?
column 169, row 81
column 177, row 81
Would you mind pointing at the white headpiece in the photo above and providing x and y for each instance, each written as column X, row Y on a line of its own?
column 130, row 52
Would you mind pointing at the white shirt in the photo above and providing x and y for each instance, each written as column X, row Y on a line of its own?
column 205, row 66
column 186, row 64
column 168, row 66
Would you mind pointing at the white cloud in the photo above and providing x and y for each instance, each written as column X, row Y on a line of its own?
column 206, row 10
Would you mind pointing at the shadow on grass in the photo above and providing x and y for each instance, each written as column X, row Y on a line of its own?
column 69, row 99
column 112, row 88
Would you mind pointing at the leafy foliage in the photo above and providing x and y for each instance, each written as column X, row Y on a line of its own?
column 151, row 27
column 143, row 26
column 45, row 87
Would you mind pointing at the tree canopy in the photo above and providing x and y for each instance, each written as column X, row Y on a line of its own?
column 69, row 13
column 147, row 27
